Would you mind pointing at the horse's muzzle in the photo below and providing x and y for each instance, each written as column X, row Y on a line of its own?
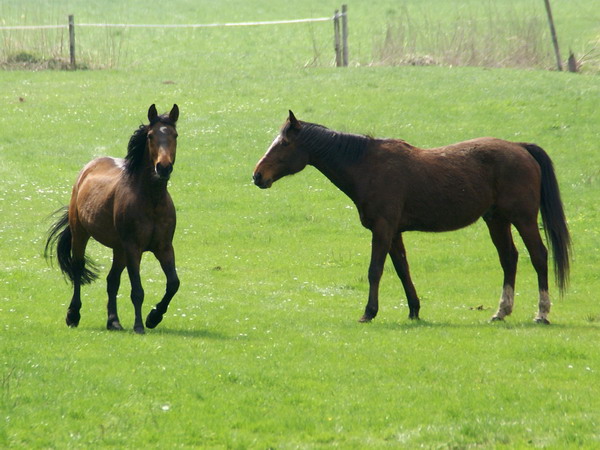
column 164, row 171
column 260, row 181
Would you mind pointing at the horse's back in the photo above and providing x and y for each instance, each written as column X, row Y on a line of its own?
column 103, row 170
column 513, row 171
column 486, row 160
column 498, row 172
column 447, row 188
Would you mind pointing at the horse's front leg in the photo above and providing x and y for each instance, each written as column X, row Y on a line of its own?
column 166, row 257
column 134, row 257
column 380, row 246
column 398, row 254
column 113, row 281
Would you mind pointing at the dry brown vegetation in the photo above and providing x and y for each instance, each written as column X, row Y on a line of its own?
column 493, row 40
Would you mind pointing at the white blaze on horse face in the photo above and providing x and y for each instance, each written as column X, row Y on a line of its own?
column 506, row 303
column 275, row 142
column 163, row 129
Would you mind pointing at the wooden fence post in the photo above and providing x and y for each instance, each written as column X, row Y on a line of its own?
column 553, row 33
column 336, row 38
column 72, row 41
column 345, row 35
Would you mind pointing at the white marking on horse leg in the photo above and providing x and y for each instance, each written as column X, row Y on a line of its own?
column 544, row 307
column 506, row 303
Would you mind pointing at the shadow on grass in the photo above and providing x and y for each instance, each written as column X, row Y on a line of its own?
column 502, row 325
column 165, row 331
column 188, row 333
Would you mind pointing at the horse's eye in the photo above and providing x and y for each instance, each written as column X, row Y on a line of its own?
column 284, row 143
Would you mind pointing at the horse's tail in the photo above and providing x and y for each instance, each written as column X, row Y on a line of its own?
column 553, row 216
column 59, row 238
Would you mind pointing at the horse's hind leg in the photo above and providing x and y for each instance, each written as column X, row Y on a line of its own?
column 398, row 255
column 539, row 258
column 166, row 257
column 508, row 254
column 113, row 281
column 78, row 244
column 73, row 312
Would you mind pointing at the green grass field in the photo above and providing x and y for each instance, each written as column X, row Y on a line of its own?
column 261, row 347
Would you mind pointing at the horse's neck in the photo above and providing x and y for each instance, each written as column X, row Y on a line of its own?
column 149, row 187
column 338, row 174
column 338, row 156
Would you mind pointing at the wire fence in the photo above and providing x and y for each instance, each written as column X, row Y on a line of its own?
column 340, row 42
column 190, row 25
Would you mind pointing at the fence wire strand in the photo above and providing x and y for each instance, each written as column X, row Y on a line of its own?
column 191, row 25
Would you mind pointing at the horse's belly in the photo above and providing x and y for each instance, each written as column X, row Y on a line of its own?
column 99, row 224
column 440, row 226
column 444, row 216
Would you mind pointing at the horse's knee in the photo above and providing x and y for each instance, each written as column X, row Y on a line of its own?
column 113, row 282
column 374, row 273
column 137, row 295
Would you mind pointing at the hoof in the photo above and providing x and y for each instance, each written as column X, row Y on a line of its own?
column 497, row 319
column 139, row 330
column 412, row 316
column 73, row 318
column 541, row 320
column 153, row 319
column 365, row 319
column 114, row 325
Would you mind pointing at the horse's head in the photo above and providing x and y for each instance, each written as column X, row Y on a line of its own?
column 284, row 156
column 162, row 141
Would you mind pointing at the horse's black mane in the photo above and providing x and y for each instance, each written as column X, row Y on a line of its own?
column 136, row 149
column 333, row 146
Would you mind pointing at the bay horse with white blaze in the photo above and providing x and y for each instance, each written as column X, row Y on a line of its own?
column 123, row 204
column 397, row 187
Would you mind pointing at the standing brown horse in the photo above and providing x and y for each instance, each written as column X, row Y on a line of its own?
column 397, row 187
column 124, row 205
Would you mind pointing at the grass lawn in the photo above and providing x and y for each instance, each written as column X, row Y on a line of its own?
column 261, row 347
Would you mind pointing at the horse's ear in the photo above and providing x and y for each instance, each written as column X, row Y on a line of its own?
column 152, row 113
column 174, row 114
column 294, row 123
